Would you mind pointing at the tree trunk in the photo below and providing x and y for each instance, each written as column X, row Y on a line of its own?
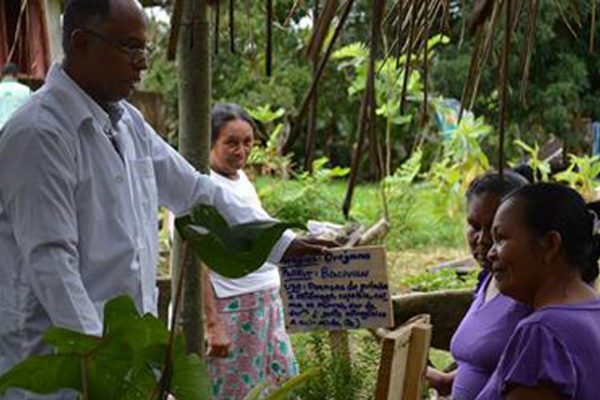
column 193, row 63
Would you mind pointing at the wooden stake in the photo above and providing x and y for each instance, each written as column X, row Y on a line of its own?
column 269, row 39
column 504, row 85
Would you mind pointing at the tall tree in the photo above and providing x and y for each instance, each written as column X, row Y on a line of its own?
column 193, row 64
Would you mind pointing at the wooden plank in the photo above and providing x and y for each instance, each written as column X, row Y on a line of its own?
column 403, row 359
column 394, row 355
column 417, row 361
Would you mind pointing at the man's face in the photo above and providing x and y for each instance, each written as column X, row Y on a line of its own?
column 115, row 56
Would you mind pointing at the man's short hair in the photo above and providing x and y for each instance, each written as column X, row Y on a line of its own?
column 80, row 14
column 10, row 69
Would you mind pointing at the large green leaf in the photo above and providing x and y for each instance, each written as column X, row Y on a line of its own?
column 66, row 341
column 190, row 378
column 44, row 374
column 230, row 251
column 125, row 364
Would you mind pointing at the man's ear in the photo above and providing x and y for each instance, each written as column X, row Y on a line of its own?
column 78, row 41
column 551, row 245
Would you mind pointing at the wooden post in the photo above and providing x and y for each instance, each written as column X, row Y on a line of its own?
column 340, row 348
column 193, row 53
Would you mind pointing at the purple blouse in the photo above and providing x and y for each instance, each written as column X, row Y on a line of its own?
column 480, row 339
column 557, row 346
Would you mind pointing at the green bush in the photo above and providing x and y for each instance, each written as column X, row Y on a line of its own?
column 447, row 278
column 339, row 379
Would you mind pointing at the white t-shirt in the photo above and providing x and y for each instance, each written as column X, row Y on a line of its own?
column 267, row 276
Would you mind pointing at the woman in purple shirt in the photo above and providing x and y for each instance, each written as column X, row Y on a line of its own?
column 491, row 319
column 545, row 255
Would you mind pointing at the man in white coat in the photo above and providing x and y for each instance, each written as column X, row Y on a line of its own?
column 81, row 178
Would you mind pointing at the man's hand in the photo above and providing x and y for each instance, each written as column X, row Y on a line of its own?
column 218, row 343
column 308, row 246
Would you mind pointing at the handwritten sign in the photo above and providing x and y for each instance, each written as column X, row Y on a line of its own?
column 344, row 289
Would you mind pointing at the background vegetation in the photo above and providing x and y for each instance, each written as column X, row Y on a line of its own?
column 428, row 174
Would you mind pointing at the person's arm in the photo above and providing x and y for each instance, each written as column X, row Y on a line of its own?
column 181, row 187
column 38, row 185
column 218, row 342
column 532, row 393
column 440, row 381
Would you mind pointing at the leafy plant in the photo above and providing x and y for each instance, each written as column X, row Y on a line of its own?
column 446, row 278
column 582, row 175
column 268, row 159
column 541, row 168
column 340, row 379
column 311, row 200
column 137, row 357
column 462, row 160
column 282, row 393
column 127, row 362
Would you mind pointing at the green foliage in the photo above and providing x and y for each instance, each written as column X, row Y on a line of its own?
column 582, row 175
column 268, row 159
column 462, row 159
column 233, row 251
column 126, row 363
column 541, row 168
column 286, row 389
column 338, row 379
column 446, row 278
column 311, row 201
column 563, row 80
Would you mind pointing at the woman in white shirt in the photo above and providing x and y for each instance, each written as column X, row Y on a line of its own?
column 245, row 327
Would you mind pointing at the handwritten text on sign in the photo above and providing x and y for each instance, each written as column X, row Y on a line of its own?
column 344, row 289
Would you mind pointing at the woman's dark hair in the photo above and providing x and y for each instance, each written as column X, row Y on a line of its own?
column 222, row 113
column 553, row 207
column 81, row 14
column 494, row 183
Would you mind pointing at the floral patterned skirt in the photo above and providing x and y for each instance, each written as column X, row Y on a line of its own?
column 261, row 349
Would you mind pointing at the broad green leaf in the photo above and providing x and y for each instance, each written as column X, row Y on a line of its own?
column 190, row 379
column 66, row 341
column 106, row 370
column 125, row 364
column 122, row 321
column 230, row 251
column 44, row 374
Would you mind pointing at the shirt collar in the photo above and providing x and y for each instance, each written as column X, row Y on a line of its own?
column 82, row 106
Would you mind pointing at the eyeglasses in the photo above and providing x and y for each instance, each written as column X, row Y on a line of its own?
column 137, row 55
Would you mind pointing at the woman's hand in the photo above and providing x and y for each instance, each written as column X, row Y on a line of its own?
column 440, row 381
column 218, row 343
